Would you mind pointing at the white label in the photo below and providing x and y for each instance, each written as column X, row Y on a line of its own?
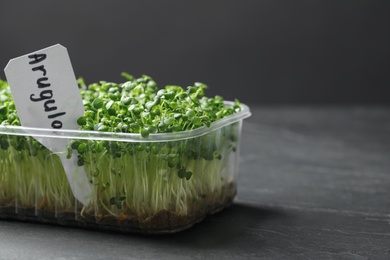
column 46, row 95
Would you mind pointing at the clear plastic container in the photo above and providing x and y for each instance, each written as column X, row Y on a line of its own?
column 161, row 184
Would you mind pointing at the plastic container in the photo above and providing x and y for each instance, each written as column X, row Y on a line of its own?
column 162, row 184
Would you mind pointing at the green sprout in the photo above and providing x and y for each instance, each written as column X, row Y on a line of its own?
column 145, row 185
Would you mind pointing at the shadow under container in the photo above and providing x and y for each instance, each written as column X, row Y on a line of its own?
column 161, row 184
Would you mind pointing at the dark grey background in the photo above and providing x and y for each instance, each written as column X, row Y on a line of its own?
column 264, row 52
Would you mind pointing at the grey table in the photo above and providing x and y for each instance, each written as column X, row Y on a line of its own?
column 314, row 183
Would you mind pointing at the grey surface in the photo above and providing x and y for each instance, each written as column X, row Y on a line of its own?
column 314, row 183
column 299, row 52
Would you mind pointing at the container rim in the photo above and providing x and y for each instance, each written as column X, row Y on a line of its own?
column 127, row 137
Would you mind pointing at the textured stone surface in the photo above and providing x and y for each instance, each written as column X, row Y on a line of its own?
column 314, row 183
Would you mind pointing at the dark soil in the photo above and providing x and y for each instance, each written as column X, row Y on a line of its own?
column 163, row 221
